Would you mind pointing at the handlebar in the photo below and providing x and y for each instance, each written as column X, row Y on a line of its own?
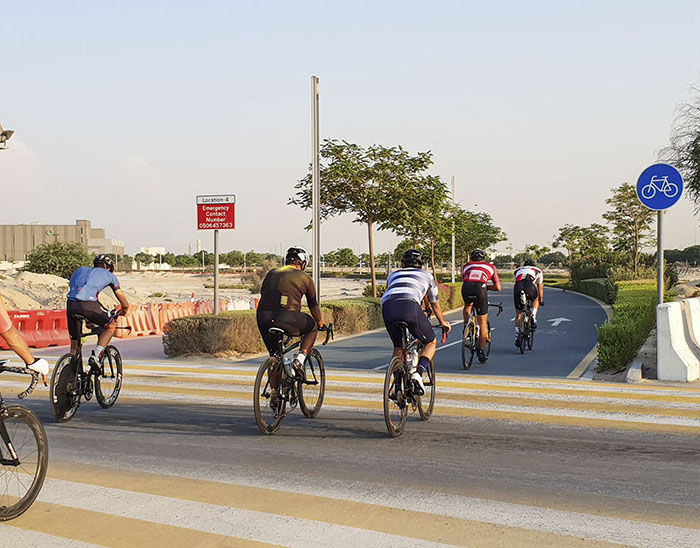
column 444, row 332
column 22, row 371
column 329, row 332
column 499, row 306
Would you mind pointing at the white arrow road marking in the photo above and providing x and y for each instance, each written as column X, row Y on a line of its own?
column 557, row 321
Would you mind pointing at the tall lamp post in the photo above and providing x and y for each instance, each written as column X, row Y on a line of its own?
column 5, row 134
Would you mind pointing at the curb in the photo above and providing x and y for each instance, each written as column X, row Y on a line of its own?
column 634, row 373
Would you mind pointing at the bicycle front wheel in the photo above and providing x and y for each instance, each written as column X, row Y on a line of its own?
column 530, row 338
column 426, row 402
column 21, row 475
column 395, row 404
column 468, row 345
column 487, row 348
column 269, row 410
column 312, row 391
column 109, row 383
column 64, row 390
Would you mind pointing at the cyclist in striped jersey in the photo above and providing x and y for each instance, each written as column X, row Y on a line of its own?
column 476, row 275
column 406, row 289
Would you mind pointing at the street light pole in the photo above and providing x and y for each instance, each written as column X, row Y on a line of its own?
column 452, row 265
column 316, row 183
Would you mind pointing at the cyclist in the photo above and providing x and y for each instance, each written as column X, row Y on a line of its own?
column 280, row 306
column 18, row 345
column 476, row 275
column 83, row 290
column 406, row 289
column 530, row 280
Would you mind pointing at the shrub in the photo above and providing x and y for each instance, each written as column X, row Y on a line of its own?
column 354, row 315
column 57, row 258
column 603, row 289
column 633, row 319
column 367, row 291
column 594, row 266
column 254, row 279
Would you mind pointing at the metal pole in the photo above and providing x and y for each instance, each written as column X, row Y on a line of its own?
column 216, row 271
column 452, row 264
column 659, row 258
column 316, row 184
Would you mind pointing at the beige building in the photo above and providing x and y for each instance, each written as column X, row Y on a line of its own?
column 18, row 240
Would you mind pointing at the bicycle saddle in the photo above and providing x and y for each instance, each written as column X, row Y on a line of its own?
column 276, row 331
column 402, row 325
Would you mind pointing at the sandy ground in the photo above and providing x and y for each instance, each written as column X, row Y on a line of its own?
column 29, row 291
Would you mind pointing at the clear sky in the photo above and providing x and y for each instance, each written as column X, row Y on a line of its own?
column 124, row 111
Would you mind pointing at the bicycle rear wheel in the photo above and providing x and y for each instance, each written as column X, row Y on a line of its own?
column 64, row 391
column 468, row 345
column 395, row 404
column 531, row 337
column 487, row 348
column 426, row 402
column 21, row 478
column 109, row 383
column 310, row 394
column 268, row 414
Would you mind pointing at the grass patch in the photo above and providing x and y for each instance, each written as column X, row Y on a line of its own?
column 230, row 286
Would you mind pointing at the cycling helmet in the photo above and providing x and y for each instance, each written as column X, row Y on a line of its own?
column 477, row 255
column 296, row 255
column 529, row 262
column 104, row 261
column 412, row 258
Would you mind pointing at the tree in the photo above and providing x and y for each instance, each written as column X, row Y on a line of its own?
column 474, row 230
column 57, row 258
column 143, row 258
column 554, row 258
column 579, row 241
column 536, row 252
column 630, row 220
column 503, row 261
column 345, row 257
column 232, row 258
column 185, row 260
column 365, row 182
column 684, row 150
column 169, row 258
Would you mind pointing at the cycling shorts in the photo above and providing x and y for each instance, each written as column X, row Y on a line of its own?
column 92, row 311
column 295, row 324
column 530, row 290
column 476, row 293
column 410, row 312
column 5, row 321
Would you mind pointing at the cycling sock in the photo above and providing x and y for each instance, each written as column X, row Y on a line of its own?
column 534, row 313
column 517, row 330
column 98, row 351
column 424, row 363
column 301, row 357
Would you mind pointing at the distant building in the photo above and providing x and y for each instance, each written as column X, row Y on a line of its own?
column 18, row 240
column 155, row 251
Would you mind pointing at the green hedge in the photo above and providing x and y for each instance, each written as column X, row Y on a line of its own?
column 603, row 289
column 634, row 317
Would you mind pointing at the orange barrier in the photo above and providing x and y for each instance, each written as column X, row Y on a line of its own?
column 40, row 328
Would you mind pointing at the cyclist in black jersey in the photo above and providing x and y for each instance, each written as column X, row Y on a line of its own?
column 280, row 306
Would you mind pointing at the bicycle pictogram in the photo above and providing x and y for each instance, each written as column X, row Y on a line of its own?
column 667, row 187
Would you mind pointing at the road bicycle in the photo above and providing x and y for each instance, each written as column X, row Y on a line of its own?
column 292, row 388
column 400, row 392
column 24, row 451
column 526, row 332
column 470, row 336
column 70, row 382
column 667, row 187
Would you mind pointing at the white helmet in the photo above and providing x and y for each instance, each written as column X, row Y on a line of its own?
column 296, row 254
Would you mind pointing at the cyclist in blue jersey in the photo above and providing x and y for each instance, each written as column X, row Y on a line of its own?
column 406, row 289
column 85, row 286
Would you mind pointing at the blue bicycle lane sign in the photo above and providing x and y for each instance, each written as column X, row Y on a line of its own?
column 659, row 186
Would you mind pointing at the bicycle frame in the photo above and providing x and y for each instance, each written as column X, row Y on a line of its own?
column 4, row 434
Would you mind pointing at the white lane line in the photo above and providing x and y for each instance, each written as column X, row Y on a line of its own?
column 381, row 367
column 222, row 520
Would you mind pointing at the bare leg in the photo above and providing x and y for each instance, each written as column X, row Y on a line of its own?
column 429, row 350
column 483, row 330
column 466, row 311
column 18, row 345
column 518, row 319
column 307, row 343
column 106, row 335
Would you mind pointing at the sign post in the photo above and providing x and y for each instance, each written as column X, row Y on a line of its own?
column 216, row 213
column 659, row 187
column 316, row 184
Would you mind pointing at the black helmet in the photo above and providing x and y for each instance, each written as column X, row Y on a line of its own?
column 104, row 261
column 477, row 255
column 529, row 262
column 412, row 258
column 296, row 255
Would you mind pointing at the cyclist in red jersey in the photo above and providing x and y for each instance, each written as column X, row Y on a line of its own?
column 476, row 275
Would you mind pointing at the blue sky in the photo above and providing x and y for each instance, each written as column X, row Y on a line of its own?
column 124, row 111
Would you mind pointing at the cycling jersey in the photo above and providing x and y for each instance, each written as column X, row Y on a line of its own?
column 410, row 284
column 86, row 283
column 528, row 273
column 284, row 287
column 479, row 271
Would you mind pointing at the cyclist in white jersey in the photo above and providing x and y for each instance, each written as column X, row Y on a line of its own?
column 405, row 291
column 530, row 280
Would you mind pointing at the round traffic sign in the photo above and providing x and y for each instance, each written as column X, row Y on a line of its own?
column 659, row 186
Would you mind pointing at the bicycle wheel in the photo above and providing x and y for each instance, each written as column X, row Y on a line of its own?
column 312, row 391
column 530, row 337
column 487, row 348
column 395, row 404
column 268, row 414
column 21, row 478
column 468, row 345
column 426, row 402
column 64, row 392
column 108, row 385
